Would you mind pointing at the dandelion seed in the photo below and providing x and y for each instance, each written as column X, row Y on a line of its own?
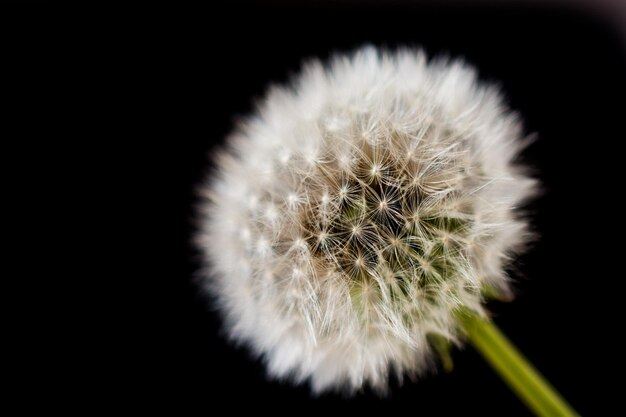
column 392, row 203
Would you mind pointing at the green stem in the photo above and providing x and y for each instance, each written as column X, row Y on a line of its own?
column 522, row 377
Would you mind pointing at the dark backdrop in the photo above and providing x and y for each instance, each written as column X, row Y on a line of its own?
column 156, row 93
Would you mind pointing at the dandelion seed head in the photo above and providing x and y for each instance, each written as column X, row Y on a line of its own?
column 353, row 216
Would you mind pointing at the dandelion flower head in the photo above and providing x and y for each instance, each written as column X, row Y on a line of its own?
column 360, row 209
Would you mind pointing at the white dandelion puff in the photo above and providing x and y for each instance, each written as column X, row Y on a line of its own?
column 359, row 210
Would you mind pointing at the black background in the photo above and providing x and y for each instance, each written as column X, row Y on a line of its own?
column 154, row 94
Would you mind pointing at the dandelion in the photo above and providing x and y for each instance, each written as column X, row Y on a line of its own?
column 356, row 223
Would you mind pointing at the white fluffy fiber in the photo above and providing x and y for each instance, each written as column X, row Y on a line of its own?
column 358, row 210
